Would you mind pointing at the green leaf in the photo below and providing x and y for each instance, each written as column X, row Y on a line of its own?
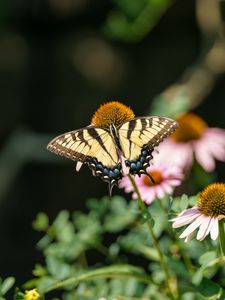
column 64, row 229
column 197, row 277
column 39, row 271
column 61, row 219
column 7, row 284
column 30, row 284
column 146, row 217
column 183, row 202
column 131, row 287
column 44, row 242
column 69, row 251
column 193, row 200
column 207, row 257
column 18, row 295
column 45, row 283
column 210, row 290
column 149, row 252
column 100, row 207
column 188, row 296
column 177, row 266
column 162, row 106
column 114, row 250
column 57, row 268
column 120, row 215
column 200, row 176
column 41, row 222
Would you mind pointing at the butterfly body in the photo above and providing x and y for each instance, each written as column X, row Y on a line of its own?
column 110, row 148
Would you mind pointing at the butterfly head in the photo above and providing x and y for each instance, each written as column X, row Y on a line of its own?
column 112, row 112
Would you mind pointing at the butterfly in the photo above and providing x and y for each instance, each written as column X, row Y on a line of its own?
column 115, row 143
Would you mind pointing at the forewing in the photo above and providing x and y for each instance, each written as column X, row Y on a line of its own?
column 83, row 144
column 144, row 131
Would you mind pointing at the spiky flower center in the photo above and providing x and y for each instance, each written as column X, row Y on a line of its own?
column 112, row 112
column 191, row 127
column 156, row 175
column 212, row 200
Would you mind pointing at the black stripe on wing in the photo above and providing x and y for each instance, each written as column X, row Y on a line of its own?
column 88, row 145
column 144, row 134
column 153, row 130
column 69, row 143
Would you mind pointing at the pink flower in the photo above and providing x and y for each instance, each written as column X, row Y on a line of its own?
column 166, row 178
column 206, row 224
column 194, row 139
column 205, row 215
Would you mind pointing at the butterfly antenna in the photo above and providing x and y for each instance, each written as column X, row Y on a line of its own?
column 150, row 177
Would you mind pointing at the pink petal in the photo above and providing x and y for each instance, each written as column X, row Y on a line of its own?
column 167, row 188
column 151, row 197
column 174, row 182
column 210, row 146
column 215, row 146
column 172, row 170
column 178, row 154
column 146, row 192
column 185, row 219
column 126, row 184
column 192, row 226
column 214, row 232
column 216, row 134
column 134, row 196
column 188, row 212
column 159, row 191
column 204, row 228
column 204, row 158
column 184, row 156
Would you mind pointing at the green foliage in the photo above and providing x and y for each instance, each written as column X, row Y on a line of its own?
column 131, row 20
column 164, row 107
column 18, row 295
column 200, row 177
column 5, row 286
column 71, row 236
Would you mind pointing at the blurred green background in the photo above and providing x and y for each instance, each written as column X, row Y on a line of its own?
column 59, row 60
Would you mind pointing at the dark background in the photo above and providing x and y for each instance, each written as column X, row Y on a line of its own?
column 57, row 65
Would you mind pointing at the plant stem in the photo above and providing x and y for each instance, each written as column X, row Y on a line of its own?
column 222, row 236
column 155, row 242
column 106, row 272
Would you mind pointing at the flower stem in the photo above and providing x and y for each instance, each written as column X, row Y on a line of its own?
column 116, row 271
column 222, row 236
column 155, row 242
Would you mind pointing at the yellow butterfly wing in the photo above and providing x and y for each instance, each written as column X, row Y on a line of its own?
column 139, row 136
column 86, row 144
